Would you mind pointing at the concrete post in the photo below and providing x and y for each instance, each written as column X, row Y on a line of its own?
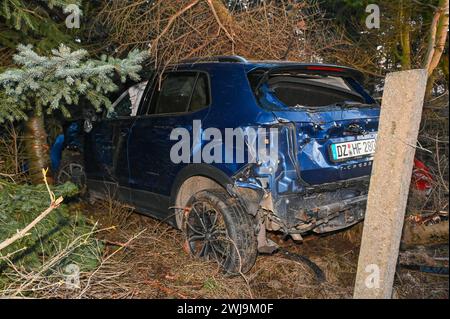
column 401, row 112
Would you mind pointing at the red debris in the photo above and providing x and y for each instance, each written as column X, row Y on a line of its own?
column 421, row 177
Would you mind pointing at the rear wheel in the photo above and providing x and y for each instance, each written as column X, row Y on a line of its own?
column 218, row 228
column 72, row 170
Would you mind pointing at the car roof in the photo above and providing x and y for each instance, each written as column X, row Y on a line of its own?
column 273, row 65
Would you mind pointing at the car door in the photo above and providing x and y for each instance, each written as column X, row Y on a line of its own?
column 105, row 153
column 178, row 99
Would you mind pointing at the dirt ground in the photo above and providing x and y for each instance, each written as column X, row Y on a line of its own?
column 144, row 258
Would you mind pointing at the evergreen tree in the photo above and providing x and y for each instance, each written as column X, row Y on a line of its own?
column 37, row 22
column 42, row 85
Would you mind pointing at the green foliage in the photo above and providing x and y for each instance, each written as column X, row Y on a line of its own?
column 26, row 13
column 400, row 43
column 21, row 204
column 37, row 22
column 49, row 83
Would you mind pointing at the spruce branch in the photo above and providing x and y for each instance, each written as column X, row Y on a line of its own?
column 58, row 81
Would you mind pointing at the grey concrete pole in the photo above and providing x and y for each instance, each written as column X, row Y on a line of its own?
column 401, row 112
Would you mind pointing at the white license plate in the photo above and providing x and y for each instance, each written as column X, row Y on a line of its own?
column 347, row 150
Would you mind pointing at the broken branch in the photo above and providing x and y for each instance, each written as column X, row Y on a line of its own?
column 54, row 203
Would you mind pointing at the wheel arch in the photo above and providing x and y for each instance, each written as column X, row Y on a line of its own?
column 202, row 172
column 194, row 178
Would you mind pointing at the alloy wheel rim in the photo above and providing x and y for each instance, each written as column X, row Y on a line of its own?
column 74, row 173
column 206, row 232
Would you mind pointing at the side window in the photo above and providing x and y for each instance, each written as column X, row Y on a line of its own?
column 136, row 92
column 128, row 103
column 175, row 94
column 121, row 107
column 200, row 96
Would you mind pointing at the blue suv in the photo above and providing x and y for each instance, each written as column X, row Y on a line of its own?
column 315, row 181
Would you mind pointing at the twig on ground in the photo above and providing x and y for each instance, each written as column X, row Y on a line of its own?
column 107, row 258
column 156, row 284
column 54, row 203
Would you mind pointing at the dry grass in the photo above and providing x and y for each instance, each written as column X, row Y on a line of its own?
column 154, row 265
column 144, row 258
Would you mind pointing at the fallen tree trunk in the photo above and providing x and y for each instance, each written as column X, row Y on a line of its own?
column 414, row 235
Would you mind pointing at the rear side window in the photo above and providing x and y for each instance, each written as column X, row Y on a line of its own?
column 175, row 94
column 179, row 92
column 312, row 92
column 200, row 96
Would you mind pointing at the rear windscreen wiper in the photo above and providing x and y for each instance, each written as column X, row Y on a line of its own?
column 353, row 104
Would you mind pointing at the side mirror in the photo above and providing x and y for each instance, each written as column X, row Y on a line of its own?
column 89, row 117
column 87, row 126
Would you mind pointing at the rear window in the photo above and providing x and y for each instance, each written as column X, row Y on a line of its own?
column 297, row 92
column 309, row 91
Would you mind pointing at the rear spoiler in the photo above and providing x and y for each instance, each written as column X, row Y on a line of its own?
column 325, row 69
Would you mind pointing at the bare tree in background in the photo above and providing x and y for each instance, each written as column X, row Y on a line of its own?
column 278, row 30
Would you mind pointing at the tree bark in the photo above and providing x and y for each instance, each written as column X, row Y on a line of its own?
column 436, row 44
column 405, row 40
column 437, row 37
column 36, row 148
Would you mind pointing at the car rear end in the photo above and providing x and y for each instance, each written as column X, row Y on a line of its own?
column 326, row 144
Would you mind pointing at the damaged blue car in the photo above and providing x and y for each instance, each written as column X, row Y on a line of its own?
column 316, row 181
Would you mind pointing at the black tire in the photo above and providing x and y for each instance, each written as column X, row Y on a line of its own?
column 71, row 169
column 217, row 227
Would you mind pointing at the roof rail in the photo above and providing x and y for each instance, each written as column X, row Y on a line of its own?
column 217, row 58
